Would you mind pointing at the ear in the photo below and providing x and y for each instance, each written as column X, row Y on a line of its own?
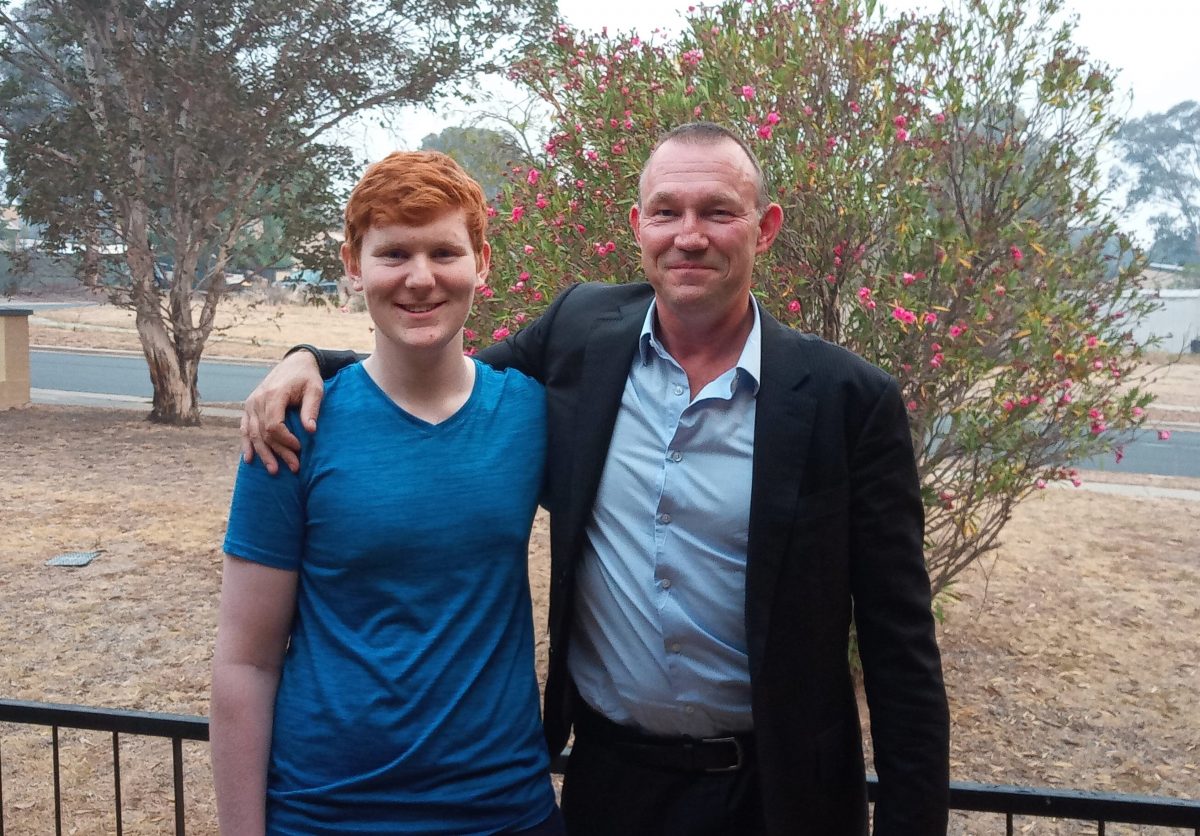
column 484, row 260
column 634, row 217
column 351, row 266
column 768, row 227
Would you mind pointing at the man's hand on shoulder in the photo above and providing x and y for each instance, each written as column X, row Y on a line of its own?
column 295, row 381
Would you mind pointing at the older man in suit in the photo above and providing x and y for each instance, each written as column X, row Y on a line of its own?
column 726, row 494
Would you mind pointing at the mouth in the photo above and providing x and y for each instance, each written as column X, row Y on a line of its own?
column 419, row 309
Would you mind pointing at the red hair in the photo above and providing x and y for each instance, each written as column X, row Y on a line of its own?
column 414, row 188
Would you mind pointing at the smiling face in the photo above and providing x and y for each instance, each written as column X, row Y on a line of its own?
column 700, row 229
column 419, row 281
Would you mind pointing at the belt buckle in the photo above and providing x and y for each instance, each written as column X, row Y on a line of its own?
column 737, row 747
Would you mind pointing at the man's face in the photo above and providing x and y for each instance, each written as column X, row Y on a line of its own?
column 699, row 229
column 419, row 281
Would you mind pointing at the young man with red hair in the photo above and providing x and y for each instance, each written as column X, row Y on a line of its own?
column 373, row 670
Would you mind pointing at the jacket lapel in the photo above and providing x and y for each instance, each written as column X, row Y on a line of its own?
column 610, row 349
column 783, row 427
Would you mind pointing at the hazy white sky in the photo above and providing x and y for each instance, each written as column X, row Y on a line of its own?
column 1152, row 43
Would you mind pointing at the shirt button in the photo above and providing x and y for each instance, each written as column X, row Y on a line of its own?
column 676, row 456
column 674, row 647
column 687, row 709
column 678, row 390
column 666, row 583
column 665, row 519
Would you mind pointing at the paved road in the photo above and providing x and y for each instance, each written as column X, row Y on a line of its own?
column 126, row 375
column 230, row 382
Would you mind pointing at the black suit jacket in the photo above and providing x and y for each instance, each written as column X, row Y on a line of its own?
column 836, row 526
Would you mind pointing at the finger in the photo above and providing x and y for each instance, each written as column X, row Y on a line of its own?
column 247, row 447
column 284, row 445
column 310, row 405
column 265, row 454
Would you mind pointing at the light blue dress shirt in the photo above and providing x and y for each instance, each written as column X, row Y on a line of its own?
column 659, row 638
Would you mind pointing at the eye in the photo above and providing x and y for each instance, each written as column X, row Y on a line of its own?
column 393, row 254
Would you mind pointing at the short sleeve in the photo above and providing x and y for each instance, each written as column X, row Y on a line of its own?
column 267, row 515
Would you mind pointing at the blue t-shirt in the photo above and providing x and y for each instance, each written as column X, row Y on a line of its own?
column 408, row 700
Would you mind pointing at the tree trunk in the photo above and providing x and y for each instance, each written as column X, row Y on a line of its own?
column 172, row 372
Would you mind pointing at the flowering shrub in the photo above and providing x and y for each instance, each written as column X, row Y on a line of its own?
column 944, row 218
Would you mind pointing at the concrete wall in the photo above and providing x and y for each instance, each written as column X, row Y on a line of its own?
column 14, row 357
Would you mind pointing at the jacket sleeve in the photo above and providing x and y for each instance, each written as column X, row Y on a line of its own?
column 902, row 672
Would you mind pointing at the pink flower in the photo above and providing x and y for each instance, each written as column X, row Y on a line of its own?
column 1092, row 342
column 764, row 131
column 930, row 318
column 696, row 111
column 1075, row 481
column 908, row 278
column 1065, row 399
column 901, row 135
column 1164, row 435
column 747, row 91
column 1138, row 412
column 1009, row 406
column 903, row 315
column 900, row 121
column 500, row 333
column 1095, row 414
column 486, row 292
column 491, row 211
column 1040, row 484
column 541, row 201
column 517, row 212
column 692, row 57
column 1119, row 454
column 854, row 106
column 773, row 118
column 534, row 174
column 911, row 406
column 936, row 360
column 524, row 277
column 870, row 304
column 957, row 331
column 939, row 119
column 1017, row 255
column 528, row 249
column 1097, row 364
column 794, row 306
column 864, row 293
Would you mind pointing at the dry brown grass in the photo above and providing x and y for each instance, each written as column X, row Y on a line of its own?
column 1071, row 657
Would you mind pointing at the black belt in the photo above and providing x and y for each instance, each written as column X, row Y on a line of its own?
column 727, row 753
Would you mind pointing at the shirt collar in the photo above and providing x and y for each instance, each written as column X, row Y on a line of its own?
column 748, row 365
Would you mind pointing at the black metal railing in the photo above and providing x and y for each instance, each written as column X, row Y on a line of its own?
column 1007, row 801
column 175, row 727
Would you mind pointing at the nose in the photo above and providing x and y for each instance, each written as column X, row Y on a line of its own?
column 690, row 235
column 419, row 275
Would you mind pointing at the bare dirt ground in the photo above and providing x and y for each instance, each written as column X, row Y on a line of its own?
column 1072, row 658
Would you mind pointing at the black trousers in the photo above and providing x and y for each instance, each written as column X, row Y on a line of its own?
column 608, row 792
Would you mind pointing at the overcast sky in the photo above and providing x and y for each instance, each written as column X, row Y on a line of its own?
column 1151, row 43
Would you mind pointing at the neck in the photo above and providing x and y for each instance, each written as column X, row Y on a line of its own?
column 705, row 347
column 429, row 385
